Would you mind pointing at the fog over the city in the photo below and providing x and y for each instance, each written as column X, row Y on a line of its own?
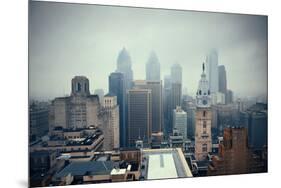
column 71, row 39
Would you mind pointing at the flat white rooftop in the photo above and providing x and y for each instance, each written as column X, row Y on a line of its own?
column 164, row 163
column 161, row 166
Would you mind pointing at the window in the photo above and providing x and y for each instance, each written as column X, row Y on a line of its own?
column 204, row 148
column 204, row 124
column 85, row 87
column 78, row 87
column 204, row 113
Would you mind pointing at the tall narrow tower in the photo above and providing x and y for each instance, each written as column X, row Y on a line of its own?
column 153, row 67
column 203, row 121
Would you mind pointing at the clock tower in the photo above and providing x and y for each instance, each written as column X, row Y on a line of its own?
column 203, row 119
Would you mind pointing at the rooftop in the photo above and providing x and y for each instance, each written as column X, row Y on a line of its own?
column 164, row 163
column 87, row 168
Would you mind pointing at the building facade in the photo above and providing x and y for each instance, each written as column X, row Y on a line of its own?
column 38, row 120
column 117, row 87
column 234, row 156
column 156, row 100
column 180, row 121
column 110, row 127
column 139, row 115
column 255, row 119
column 80, row 110
column 167, row 103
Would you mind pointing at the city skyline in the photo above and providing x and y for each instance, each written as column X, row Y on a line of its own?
column 56, row 55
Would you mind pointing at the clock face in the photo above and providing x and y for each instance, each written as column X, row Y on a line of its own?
column 204, row 102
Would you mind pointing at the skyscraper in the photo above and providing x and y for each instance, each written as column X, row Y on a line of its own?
column 212, row 73
column 124, row 65
column 255, row 119
column 173, row 92
column 190, row 108
column 156, row 100
column 167, row 104
column 153, row 67
column 203, row 119
column 175, row 95
column 176, row 73
column 110, row 127
column 229, row 97
column 222, row 79
column 117, row 87
column 139, row 115
column 180, row 121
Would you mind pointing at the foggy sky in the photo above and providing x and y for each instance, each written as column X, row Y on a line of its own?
column 66, row 40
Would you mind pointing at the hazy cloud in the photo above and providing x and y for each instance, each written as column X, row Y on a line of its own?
column 73, row 39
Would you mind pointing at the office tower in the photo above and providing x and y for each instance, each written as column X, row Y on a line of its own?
column 255, row 119
column 222, row 79
column 139, row 115
column 176, row 73
column 212, row 70
column 175, row 95
column 172, row 100
column 203, row 119
column 80, row 110
column 117, row 87
column 258, row 130
column 110, row 127
column 229, row 97
column 167, row 104
column 100, row 93
column 180, row 121
column 220, row 98
column 167, row 82
column 153, row 67
column 190, row 108
column 38, row 120
column 124, row 64
column 223, row 116
column 156, row 100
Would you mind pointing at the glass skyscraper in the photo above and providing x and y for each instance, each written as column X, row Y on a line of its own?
column 117, row 87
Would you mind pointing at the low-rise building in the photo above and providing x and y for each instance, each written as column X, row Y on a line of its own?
column 163, row 164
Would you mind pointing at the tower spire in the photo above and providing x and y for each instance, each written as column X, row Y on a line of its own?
column 203, row 65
